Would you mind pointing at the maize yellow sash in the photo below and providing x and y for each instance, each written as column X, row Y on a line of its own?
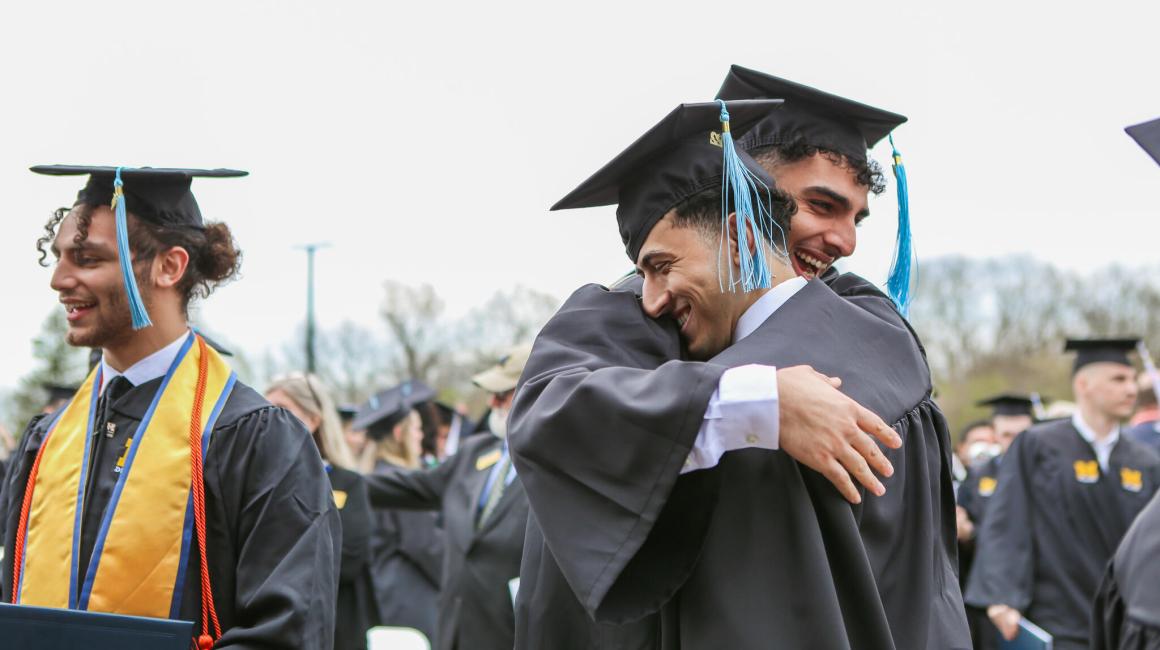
column 140, row 554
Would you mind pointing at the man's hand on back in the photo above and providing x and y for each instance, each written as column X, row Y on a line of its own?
column 827, row 431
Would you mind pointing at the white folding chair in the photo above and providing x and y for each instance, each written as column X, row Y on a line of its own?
column 396, row 638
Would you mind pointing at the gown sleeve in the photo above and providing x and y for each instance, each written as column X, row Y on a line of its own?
column 356, row 530
column 1002, row 572
column 288, row 532
column 602, row 422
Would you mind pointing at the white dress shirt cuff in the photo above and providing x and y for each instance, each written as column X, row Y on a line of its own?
column 742, row 414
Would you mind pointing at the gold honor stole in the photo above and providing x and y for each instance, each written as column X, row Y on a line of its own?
column 140, row 554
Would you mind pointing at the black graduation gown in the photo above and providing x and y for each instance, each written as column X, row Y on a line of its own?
column 630, row 537
column 356, row 610
column 273, row 533
column 1127, row 612
column 1047, row 536
column 974, row 494
column 475, row 606
column 406, row 554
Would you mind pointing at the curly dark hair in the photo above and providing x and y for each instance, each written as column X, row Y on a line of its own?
column 214, row 258
column 703, row 212
column 868, row 173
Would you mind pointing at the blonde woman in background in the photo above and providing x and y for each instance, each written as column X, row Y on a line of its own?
column 308, row 399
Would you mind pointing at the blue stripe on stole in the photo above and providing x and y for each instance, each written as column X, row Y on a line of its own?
column 107, row 519
column 73, row 596
column 187, row 534
column 18, row 589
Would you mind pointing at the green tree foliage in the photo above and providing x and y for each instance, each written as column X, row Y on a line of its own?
column 57, row 363
column 998, row 325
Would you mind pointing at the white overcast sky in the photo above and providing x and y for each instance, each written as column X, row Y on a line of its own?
column 426, row 140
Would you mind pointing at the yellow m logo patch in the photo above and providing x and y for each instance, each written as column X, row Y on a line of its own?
column 1087, row 471
column 1131, row 479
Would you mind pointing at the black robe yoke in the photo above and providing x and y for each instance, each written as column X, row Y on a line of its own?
column 1127, row 613
column 814, row 573
column 273, row 533
column 1048, row 535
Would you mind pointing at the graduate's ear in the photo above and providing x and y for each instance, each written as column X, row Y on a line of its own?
column 169, row 267
column 750, row 240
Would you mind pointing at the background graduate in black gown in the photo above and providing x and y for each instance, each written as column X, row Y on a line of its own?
column 483, row 543
column 1067, row 491
column 1010, row 415
column 273, row 532
column 630, row 537
column 309, row 400
column 406, row 545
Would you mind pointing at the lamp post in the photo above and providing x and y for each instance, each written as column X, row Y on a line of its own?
column 310, row 249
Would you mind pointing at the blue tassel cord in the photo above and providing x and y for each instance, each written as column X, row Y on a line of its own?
column 136, row 304
column 740, row 194
column 898, row 282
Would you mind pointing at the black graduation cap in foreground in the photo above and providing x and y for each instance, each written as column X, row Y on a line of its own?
column 1147, row 135
column 816, row 117
column 677, row 158
column 1100, row 351
column 1009, row 404
column 159, row 195
column 379, row 414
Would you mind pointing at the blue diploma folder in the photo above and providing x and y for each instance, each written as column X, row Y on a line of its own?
column 43, row 628
column 1030, row 637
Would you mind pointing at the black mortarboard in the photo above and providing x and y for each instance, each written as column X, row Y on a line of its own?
column 161, row 196
column 158, row 195
column 379, row 414
column 815, row 117
column 1100, row 351
column 1147, row 135
column 677, row 158
column 346, row 412
column 1008, row 404
column 835, row 123
column 59, row 392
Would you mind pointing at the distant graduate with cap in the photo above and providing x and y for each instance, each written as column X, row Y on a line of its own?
column 1127, row 609
column 485, row 514
column 406, row 545
column 1066, row 492
column 221, row 515
column 643, row 495
column 1010, row 415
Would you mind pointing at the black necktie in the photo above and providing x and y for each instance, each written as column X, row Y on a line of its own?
column 116, row 387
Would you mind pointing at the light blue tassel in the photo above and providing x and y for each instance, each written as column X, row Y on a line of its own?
column 136, row 305
column 898, row 282
column 739, row 187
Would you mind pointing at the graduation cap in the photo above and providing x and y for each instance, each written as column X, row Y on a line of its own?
column 379, row 414
column 687, row 152
column 346, row 412
column 1100, row 351
column 1147, row 135
column 160, row 196
column 835, row 123
column 1009, row 404
column 59, row 392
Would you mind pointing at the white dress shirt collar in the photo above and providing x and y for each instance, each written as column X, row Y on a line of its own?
column 1103, row 449
column 149, row 368
column 761, row 310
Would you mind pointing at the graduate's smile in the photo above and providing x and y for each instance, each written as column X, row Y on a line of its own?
column 76, row 310
column 810, row 263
